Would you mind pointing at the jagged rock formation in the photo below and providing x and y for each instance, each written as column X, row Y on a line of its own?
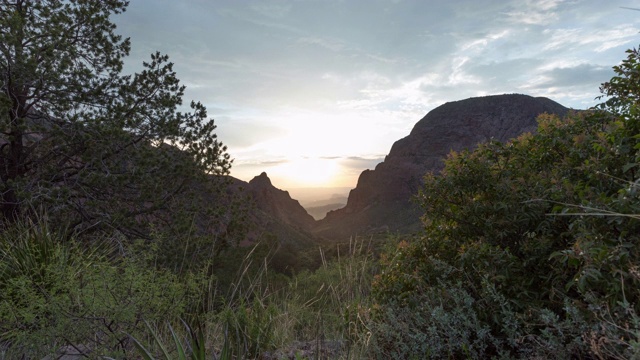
column 381, row 200
column 279, row 203
column 272, row 211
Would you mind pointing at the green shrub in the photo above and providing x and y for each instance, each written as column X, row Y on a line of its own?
column 56, row 293
column 530, row 247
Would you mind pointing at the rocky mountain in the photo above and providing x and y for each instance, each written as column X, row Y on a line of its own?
column 274, row 212
column 381, row 200
column 279, row 203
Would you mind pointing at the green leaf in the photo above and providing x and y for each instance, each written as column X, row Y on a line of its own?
column 146, row 354
column 629, row 166
column 179, row 348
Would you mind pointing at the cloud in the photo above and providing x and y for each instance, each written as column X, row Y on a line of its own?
column 576, row 76
column 238, row 133
column 364, row 158
column 503, row 74
column 333, row 80
column 269, row 17
column 360, row 162
column 246, row 171
column 261, row 163
column 330, row 157
column 598, row 40
column 475, row 46
column 273, row 10
column 330, row 44
column 534, row 12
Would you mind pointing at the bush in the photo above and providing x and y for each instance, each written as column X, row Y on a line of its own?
column 530, row 247
column 55, row 294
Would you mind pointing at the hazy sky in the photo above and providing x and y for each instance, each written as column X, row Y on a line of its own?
column 315, row 91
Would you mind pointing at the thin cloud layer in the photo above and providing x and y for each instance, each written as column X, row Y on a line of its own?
column 287, row 80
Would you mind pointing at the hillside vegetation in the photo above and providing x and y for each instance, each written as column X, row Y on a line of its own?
column 530, row 247
column 119, row 234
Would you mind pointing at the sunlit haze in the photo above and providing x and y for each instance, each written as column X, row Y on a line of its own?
column 314, row 92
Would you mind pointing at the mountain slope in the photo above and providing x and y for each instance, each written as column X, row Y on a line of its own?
column 381, row 200
column 274, row 212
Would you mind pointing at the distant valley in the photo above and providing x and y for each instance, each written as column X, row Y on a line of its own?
column 318, row 196
column 319, row 209
column 319, row 201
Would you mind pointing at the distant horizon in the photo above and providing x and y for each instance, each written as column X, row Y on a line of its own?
column 313, row 93
column 308, row 195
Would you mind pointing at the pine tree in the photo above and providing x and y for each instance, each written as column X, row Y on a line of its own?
column 84, row 142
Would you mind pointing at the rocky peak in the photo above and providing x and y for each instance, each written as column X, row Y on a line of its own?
column 278, row 203
column 381, row 199
column 261, row 181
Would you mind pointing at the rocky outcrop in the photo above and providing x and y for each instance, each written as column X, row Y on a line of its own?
column 270, row 213
column 278, row 203
column 381, row 200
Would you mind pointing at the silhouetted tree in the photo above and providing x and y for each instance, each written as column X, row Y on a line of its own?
column 80, row 140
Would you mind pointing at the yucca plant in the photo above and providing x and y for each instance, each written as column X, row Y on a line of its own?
column 39, row 271
column 31, row 248
column 192, row 348
column 319, row 314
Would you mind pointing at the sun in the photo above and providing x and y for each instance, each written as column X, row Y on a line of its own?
column 307, row 172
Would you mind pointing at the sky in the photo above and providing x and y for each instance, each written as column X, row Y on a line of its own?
column 313, row 92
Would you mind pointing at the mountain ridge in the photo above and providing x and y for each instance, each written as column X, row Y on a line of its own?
column 381, row 201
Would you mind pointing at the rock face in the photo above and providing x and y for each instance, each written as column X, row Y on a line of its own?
column 381, row 200
column 278, row 203
column 271, row 212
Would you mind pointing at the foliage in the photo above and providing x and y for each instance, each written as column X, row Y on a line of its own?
column 622, row 90
column 546, row 222
column 138, row 211
column 263, row 315
column 530, row 247
column 97, row 148
column 56, row 293
column 454, row 319
column 195, row 348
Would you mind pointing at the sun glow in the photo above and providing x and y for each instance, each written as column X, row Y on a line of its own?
column 307, row 171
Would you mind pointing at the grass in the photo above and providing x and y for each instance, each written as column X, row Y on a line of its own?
column 113, row 300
